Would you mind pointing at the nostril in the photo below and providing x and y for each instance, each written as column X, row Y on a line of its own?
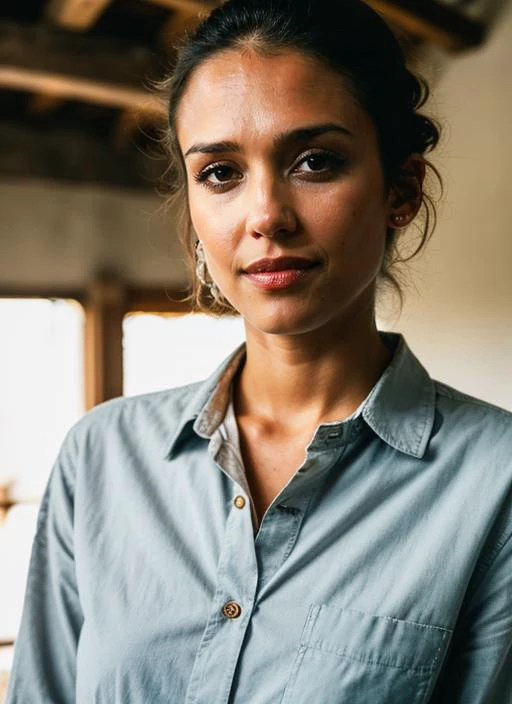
column 278, row 226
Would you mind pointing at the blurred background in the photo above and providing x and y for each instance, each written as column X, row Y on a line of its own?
column 91, row 274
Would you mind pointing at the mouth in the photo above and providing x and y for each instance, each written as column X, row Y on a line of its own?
column 280, row 272
column 280, row 264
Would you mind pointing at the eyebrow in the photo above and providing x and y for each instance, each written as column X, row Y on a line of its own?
column 300, row 134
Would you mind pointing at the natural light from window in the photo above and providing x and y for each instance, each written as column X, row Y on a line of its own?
column 42, row 395
column 162, row 352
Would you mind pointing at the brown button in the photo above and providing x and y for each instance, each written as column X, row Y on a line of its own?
column 239, row 501
column 231, row 609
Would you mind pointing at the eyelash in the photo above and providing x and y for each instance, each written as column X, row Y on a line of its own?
column 335, row 162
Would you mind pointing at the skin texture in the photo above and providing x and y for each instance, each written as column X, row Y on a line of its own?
column 313, row 351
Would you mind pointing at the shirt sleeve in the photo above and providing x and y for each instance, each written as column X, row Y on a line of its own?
column 479, row 667
column 44, row 667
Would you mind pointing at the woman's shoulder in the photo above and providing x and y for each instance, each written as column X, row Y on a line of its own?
column 455, row 400
column 145, row 416
column 160, row 411
column 474, row 421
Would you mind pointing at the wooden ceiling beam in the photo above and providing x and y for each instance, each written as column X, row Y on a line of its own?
column 433, row 22
column 79, row 15
column 76, row 15
column 84, row 90
column 188, row 6
column 82, row 68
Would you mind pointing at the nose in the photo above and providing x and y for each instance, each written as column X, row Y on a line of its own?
column 270, row 212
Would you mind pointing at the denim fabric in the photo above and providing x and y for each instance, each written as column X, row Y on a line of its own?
column 381, row 573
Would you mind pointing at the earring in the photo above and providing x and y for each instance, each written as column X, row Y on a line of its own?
column 399, row 220
column 201, row 265
column 202, row 274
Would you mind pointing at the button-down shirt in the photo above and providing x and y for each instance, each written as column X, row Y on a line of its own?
column 380, row 574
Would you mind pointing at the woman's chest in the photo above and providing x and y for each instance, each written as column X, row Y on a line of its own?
column 351, row 593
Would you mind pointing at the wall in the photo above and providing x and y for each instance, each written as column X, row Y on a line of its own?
column 459, row 318
column 56, row 235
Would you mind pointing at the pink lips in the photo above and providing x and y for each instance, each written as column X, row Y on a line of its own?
column 280, row 272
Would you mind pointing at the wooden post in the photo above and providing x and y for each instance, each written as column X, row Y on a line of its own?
column 105, row 308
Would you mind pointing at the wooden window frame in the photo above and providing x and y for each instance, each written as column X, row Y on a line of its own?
column 106, row 301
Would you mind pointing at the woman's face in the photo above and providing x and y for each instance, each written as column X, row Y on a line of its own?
column 282, row 162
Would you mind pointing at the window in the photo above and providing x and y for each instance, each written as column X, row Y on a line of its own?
column 164, row 351
column 41, row 382
column 42, row 396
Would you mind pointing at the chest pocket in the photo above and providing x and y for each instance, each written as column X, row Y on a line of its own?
column 352, row 657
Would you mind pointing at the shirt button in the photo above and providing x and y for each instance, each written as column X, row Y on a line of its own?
column 334, row 434
column 239, row 501
column 231, row 609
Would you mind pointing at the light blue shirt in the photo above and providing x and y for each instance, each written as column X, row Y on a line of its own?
column 380, row 574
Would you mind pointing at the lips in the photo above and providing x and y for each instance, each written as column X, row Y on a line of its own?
column 280, row 264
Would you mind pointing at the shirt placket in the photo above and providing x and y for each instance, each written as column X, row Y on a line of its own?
column 247, row 564
column 280, row 527
column 233, row 601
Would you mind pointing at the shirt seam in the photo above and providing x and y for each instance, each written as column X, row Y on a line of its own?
column 503, row 540
column 449, row 392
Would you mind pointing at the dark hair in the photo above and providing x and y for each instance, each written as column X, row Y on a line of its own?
column 346, row 35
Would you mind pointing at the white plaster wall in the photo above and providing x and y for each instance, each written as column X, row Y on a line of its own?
column 459, row 320
column 58, row 235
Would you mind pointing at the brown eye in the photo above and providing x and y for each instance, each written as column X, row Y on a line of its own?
column 317, row 162
column 218, row 176
column 320, row 162
column 222, row 173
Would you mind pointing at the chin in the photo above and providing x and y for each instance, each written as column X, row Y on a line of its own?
column 283, row 319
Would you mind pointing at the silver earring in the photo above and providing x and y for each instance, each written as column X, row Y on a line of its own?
column 399, row 220
column 201, row 265
column 203, row 276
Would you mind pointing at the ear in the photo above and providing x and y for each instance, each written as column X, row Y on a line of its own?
column 406, row 193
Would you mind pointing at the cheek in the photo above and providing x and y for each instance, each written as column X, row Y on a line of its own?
column 215, row 235
column 352, row 219
column 353, row 230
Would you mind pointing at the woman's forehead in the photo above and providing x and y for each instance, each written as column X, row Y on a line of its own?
column 246, row 91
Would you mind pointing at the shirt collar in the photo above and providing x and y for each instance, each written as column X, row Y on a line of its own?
column 400, row 408
column 207, row 406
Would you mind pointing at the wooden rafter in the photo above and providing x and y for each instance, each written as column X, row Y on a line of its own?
column 82, row 68
column 433, row 22
column 79, row 15
column 75, row 14
column 187, row 5
column 76, row 88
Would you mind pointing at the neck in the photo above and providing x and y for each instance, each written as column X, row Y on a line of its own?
column 303, row 380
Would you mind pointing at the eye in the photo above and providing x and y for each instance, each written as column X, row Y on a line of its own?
column 319, row 162
column 218, row 176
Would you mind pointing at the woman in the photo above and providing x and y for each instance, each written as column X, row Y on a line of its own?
column 319, row 521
